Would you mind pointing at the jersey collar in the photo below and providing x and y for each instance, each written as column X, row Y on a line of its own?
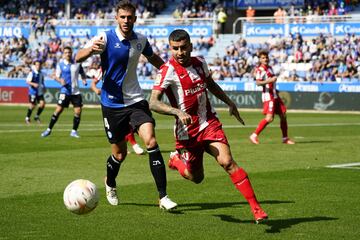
column 121, row 37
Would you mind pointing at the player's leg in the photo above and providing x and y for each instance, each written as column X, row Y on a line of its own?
column 239, row 177
column 136, row 147
column 116, row 127
column 40, row 109
column 281, row 111
column 189, row 163
column 76, row 100
column 268, row 110
column 142, row 121
column 63, row 102
column 32, row 105
column 157, row 166
column 58, row 110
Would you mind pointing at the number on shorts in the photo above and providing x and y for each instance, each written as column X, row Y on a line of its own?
column 106, row 123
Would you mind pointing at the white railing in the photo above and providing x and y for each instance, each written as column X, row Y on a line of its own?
column 350, row 18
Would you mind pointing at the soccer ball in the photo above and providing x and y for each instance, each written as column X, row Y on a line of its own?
column 81, row 196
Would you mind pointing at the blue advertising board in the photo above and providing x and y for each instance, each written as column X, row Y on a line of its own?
column 306, row 29
column 11, row 32
column 154, row 31
column 263, row 4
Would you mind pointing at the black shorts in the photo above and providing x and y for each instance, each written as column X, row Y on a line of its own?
column 34, row 99
column 118, row 122
column 64, row 100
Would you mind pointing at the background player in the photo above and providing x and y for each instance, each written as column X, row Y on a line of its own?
column 272, row 103
column 185, row 80
column 67, row 74
column 37, row 89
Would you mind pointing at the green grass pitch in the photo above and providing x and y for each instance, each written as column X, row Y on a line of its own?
column 304, row 198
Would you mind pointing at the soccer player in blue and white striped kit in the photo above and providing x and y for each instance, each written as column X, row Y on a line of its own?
column 122, row 100
column 35, row 80
column 67, row 74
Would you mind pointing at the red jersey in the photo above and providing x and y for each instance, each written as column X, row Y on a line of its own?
column 185, row 88
column 269, row 92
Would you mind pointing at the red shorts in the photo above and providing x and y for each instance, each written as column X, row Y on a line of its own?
column 192, row 150
column 275, row 106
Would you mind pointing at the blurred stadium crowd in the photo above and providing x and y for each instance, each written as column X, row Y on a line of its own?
column 320, row 59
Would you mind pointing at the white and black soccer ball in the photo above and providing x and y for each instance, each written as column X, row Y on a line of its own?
column 81, row 196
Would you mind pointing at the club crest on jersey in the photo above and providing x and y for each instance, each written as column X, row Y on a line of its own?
column 117, row 45
column 139, row 46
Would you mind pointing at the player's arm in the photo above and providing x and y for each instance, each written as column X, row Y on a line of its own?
column 57, row 76
column 216, row 90
column 30, row 82
column 261, row 80
column 158, row 106
column 83, row 75
column 155, row 60
column 95, row 46
column 94, row 87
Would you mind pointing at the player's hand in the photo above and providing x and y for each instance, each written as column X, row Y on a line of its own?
column 62, row 82
column 184, row 118
column 234, row 112
column 98, row 45
column 85, row 82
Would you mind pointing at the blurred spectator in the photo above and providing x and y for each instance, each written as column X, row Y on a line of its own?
column 222, row 18
column 280, row 15
column 250, row 14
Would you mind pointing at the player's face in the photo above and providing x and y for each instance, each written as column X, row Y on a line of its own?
column 181, row 51
column 37, row 66
column 264, row 59
column 67, row 54
column 126, row 20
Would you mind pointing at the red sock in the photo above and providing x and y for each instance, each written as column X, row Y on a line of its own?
column 262, row 124
column 284, row 128
column 131, row 138
column 242, row 183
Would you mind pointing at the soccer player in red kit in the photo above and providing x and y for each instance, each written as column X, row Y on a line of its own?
column 272, row 103
column 186, row 81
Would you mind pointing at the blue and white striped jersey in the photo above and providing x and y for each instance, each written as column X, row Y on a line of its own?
column 69, row 71
column 36, row 77
column 119, row 62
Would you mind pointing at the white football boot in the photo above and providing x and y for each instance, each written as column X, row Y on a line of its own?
column 111, row 195
column 167, row 204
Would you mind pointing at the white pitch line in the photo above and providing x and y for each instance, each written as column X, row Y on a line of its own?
column 355, row 165
column 163, row 127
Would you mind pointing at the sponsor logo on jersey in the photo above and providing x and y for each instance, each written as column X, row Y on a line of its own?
column 199, row 87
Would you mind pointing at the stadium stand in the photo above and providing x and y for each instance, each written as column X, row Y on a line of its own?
column 322, row 58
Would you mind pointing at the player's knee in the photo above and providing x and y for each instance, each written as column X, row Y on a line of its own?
column 120, row 156
column 150, row 142
column 269, row 119
column 227, row 163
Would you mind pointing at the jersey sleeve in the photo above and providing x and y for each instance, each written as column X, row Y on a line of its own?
column 205, row 67
column 259, row 74
column 147, row 51
column 58, row 71
column 29, row 77
column 81, row 71
column 163, row 78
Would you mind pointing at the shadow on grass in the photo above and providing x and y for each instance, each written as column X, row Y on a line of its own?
column 182, row 208
column 277, row 225
column 314, row 141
